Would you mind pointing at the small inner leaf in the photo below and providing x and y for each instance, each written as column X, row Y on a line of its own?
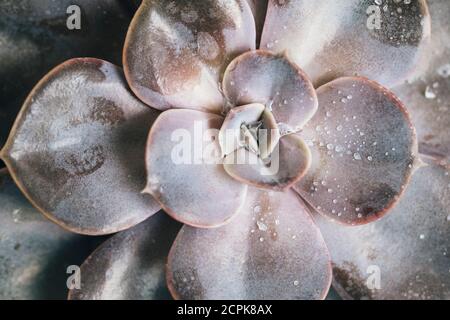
column 274, row 81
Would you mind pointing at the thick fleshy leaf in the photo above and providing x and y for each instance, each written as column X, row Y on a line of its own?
column 272, row 250
column 175, row 52
column 402, row 256
column 288, row 163
column 273, row 80
column 131, row 264
column 427, row 95
column 331, row 39
column 270, row 134
column 185, row 171
column 363, row 151
column 230, row 131
column 259, row 9
column 77, row 149
column 34, row 253
column 34, row 38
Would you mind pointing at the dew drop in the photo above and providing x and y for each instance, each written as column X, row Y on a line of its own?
column 339, row 149
column 444, row 71
column 429, row 93
column 16, row 213
column 261, row 226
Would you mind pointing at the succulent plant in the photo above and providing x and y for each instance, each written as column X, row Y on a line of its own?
column 248, row 150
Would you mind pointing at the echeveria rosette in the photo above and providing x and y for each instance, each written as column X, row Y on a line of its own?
column 255, row 81
column 348, row 147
